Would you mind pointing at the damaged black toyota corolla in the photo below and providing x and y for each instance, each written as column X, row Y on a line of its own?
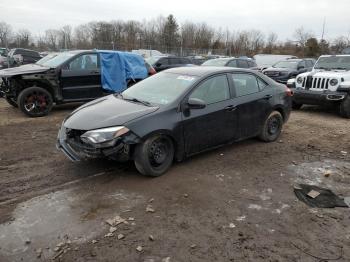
column 175, row 114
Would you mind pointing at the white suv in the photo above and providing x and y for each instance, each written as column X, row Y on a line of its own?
column 327, row 83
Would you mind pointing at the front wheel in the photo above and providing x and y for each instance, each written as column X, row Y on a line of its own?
column 154, row 156
column 345, row 107
column 35, row 101
column 272, row 127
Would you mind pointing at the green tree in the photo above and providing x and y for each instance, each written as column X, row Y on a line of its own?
column 312, row 48
column 170, row 33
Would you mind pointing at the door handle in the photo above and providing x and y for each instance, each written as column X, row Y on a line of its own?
column 230, row 108
column 267, row 96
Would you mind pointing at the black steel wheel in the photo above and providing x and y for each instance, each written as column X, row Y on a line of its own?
column 35, row 101
column 154, row 156
column 272, row 127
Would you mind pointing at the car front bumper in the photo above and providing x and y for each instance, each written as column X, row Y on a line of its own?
column 302, row 96
column 76, row 150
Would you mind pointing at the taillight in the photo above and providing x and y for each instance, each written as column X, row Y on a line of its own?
column 151, row 71
column 289, row 92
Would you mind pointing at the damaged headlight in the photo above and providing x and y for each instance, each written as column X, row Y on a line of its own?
column 104, row 135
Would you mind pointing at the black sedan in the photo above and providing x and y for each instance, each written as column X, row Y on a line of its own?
column 175, row 114
column 284, row 70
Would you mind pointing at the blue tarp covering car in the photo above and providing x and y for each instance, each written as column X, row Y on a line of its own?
column 119, row 67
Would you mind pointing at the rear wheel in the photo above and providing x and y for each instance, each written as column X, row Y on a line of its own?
column 35, row 101
column 272, row 127
column 11, row 101
column 296, row 106
column 345, row 107
column 154, row 156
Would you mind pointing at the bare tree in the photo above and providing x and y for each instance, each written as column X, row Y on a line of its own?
column 5, row 33
column 271, row 42
column 302, row 35
column 23, row 38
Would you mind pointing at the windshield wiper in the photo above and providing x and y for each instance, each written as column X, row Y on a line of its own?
column 340, row 68
column 133, row 99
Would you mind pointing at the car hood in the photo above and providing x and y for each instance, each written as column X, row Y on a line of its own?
column 328, row 74
column 106, row 112
column 24, row 69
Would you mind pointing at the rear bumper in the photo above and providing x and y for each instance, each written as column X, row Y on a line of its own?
column 302, row 96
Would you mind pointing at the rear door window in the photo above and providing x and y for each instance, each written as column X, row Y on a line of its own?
column 245, row 84
column 242, row 64
column 232, row 63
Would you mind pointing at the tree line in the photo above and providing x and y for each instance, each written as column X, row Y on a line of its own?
column 167, row 35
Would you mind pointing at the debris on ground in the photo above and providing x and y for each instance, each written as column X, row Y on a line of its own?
column 38, row 252
column 313, row 194
column 109, row 234
column 139, row 248
column 27, row 241
column 319, row 197
column 327, row 174
column 131, row 219
column 94, row 241
column 115, row 221
column 120, row 236
column 232, row 225
column 185, row 195
column 150, row 209
column 112, row 229
column 150, row 237
column 151, row 200
column 193, row 246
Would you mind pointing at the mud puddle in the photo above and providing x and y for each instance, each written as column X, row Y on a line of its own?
column 74, row 215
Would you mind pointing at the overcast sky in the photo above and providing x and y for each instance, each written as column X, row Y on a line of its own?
column 280, row 16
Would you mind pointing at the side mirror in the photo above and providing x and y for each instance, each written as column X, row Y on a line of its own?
column 195, row 103
column 301, row 67
column 158, row 64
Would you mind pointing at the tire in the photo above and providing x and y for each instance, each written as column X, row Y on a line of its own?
column 272, row 127
column 345, row 107
column 296, row 106
column 35, row 101
column 154, row 156
column 11, row 101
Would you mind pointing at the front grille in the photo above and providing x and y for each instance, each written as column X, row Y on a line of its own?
column 319, row 83
column 80, row 147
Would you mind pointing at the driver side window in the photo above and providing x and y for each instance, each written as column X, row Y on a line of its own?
column 213, row 90
column 84, row 62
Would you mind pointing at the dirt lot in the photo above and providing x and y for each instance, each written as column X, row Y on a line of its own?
column 231, row 204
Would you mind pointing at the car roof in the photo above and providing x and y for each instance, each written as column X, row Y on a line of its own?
column 204, row 70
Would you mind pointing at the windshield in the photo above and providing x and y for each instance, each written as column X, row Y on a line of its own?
column 215, row 62
column 333, row 62
column 57, row 60
column 286, row 64
column 162, row 88
column 46, row 58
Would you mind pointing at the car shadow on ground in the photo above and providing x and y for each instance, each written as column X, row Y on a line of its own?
column 329, row 110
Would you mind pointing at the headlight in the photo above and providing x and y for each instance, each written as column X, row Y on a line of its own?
column 103, row 135
column 333, row 82
column 299, row 80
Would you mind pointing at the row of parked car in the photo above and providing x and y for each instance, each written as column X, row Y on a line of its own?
column 17, row 57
